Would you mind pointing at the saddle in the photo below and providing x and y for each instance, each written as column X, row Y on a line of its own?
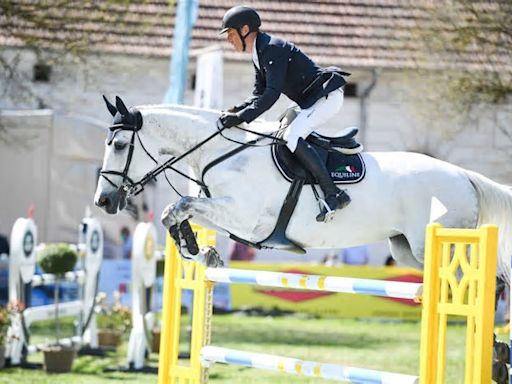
column 342, row 159
column 340, row 154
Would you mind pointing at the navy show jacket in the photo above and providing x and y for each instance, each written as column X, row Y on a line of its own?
column 284, row 68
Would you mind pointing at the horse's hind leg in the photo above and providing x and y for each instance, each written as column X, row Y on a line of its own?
column 404, row 253
column 501, row 355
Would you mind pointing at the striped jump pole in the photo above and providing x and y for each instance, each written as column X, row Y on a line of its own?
column 393, row 289
column 211, row 354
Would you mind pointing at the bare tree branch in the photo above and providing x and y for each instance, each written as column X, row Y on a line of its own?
column 473, row 39
column 55, row 31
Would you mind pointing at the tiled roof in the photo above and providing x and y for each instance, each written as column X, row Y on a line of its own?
column 358, row 33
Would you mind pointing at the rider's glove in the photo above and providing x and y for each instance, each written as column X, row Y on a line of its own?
column 229, row 119
column 235, row 109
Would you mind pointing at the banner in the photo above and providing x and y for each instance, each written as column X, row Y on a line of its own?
column 209, row 80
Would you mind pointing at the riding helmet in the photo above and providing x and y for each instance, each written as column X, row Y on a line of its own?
column 239, row 16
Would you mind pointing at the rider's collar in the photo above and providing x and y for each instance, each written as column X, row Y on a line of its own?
column 255, row 58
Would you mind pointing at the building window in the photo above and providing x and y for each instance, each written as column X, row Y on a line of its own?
column 350, row 90
column 193, row 82
column 42, row 72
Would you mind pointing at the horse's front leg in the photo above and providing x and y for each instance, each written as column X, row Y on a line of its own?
column 175, row 218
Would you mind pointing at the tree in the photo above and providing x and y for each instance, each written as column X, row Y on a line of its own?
column 473, row 39
column 465, row 56
column 54, row 31
column 29, row 25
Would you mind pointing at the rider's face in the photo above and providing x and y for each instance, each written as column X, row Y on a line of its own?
column 234, row 39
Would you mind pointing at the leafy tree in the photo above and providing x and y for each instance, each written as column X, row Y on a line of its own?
column 472, row 41
column 465, row 55
column 55, row 32
column 34, row 26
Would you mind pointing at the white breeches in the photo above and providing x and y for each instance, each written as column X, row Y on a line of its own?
column 310, row 118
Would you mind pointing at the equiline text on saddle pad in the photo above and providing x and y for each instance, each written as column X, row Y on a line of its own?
column 343, row 168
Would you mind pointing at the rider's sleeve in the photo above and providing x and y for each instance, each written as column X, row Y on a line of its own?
column 275, row 65
column 259, row 88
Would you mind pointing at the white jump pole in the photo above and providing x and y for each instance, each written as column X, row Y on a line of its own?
column 211, row 354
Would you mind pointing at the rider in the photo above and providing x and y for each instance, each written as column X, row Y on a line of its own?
column 281, row 67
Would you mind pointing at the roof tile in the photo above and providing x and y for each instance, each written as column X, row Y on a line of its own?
column 356, row 33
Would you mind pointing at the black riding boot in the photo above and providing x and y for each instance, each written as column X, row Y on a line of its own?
column 334, row 197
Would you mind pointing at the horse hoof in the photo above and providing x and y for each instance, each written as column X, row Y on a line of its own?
column 500, row 373
column 175, row 234
column 501, row 352
column 189, row 237
column 213, row 259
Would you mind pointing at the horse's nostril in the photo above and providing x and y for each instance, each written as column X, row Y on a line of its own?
column 103, row 201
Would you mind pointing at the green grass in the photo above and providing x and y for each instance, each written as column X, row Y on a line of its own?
column 371, row 344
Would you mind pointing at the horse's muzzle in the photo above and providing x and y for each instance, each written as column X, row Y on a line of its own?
column 111, row 202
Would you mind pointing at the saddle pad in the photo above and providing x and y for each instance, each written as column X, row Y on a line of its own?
column 344, row 169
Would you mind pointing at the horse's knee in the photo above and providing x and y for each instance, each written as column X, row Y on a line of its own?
column 184, row 204
column 167, row 218
column 176, row 213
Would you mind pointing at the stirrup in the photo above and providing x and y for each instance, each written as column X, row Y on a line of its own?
column 326, row 213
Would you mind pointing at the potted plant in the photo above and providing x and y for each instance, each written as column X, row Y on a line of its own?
column 58, row 259
column 114, row 322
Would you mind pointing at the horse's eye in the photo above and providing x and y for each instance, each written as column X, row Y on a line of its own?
column 119, row 145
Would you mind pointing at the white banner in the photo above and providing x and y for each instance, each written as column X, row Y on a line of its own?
column 209, row 80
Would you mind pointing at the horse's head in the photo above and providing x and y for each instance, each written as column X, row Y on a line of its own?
column 126, row 159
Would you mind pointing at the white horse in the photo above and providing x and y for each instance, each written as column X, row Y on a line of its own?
column 392, row 202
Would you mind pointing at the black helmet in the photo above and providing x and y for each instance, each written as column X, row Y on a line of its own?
column 239, row 16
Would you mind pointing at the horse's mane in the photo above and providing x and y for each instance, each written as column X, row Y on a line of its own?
column 181, row 108
column 257, row 125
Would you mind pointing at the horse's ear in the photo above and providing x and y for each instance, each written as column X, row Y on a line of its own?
column 110, row 107
column 121, row 107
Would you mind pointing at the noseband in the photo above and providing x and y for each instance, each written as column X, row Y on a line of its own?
column 128, row 186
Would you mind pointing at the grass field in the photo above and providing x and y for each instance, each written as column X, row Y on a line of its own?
column 371, row 344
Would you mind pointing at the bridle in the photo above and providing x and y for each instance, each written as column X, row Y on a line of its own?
column 127, row 185
column 130, row 187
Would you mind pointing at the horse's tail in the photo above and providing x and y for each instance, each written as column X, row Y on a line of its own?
column 495, row 202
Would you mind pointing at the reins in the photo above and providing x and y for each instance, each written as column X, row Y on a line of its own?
column 273, row 136
column 131, row 188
